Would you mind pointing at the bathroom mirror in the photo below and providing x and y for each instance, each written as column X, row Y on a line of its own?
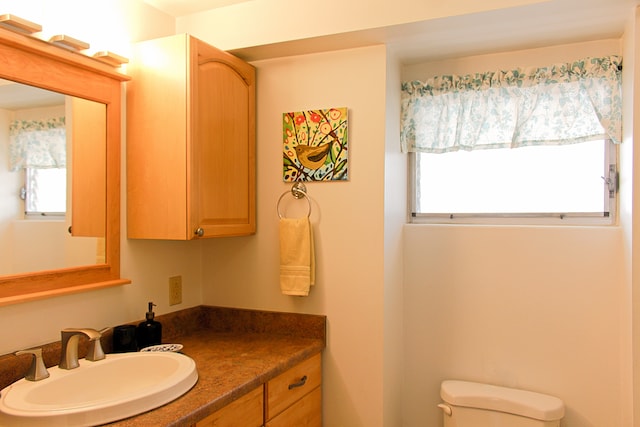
column 33, row 62
column 52, row 176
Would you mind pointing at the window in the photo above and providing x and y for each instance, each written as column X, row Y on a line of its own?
column 45, row 192
column 528, row 182
column 524, row 143
column 38, row 147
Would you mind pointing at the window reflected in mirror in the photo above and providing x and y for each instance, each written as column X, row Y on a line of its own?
column 44, row 192
column 52, row 180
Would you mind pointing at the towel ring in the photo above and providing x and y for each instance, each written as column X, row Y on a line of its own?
column 299, row 190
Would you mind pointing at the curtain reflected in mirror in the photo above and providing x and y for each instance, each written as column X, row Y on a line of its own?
column 52, row 180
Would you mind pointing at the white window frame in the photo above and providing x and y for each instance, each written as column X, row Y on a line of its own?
column 607, row 217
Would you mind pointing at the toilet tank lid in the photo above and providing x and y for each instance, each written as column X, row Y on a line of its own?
column 520, row 402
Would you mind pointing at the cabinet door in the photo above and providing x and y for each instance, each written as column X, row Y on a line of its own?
column 223, row 150
column 89, row 168
column 246, row 411
column 157, row 107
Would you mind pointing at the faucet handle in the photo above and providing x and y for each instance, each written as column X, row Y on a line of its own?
column 95, row 351
column 37, row 371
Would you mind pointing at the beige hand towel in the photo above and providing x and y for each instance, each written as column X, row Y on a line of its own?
column 297, row 263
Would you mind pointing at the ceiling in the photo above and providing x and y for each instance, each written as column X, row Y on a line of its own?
column 16, row 96
column 186, row 7
column 524, row 27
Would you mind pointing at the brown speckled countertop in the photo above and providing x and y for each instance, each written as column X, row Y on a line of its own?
column 235, row 350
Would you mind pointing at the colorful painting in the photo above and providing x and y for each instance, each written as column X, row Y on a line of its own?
column 315, row 145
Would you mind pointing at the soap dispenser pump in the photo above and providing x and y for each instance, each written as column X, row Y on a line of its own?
column 149, row 332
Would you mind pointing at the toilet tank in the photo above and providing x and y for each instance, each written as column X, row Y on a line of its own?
column 469, row 404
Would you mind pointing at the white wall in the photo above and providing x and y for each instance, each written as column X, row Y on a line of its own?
column 626, row 207
column 540, row 308
column 629, row 184
column 395, row 214
column 535, row 308
column 348, row 224
column 509, row 60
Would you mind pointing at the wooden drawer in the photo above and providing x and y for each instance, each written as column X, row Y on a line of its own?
column 290, row 386
column 306, row 412
column 246, row 411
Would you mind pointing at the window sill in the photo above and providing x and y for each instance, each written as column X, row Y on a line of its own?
column 586, row 220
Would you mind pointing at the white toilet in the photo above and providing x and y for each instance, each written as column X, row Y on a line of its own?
column 468, row 404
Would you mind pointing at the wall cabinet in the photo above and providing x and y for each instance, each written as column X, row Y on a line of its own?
column 190, row 141
column 294, row 398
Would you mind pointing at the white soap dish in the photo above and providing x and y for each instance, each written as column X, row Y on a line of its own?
column 164, row 347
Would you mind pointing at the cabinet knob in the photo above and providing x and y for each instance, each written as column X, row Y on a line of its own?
column 199, row 232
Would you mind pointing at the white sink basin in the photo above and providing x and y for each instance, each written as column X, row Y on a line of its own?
column 120, row 386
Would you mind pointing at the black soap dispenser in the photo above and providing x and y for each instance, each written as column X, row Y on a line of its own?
column 149, row 332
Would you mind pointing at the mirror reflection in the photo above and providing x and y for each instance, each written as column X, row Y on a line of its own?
column 52, row 180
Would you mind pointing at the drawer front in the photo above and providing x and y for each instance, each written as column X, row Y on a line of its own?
column 306, row 412
column 292, row 385
column 246, row 411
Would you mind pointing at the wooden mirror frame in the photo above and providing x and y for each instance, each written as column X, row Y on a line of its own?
column 28, row 60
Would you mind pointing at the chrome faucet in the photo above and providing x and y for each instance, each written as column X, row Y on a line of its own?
column 69, row 351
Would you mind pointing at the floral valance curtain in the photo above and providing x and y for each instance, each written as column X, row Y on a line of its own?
column 37, row 144
column 560, row 104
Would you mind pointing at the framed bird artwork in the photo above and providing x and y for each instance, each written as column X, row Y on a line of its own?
column 315, row 145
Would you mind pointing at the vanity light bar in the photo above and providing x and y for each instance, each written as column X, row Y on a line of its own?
column 110, row 58
column 23, row 26
column 13, row 22
column 67, row 42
